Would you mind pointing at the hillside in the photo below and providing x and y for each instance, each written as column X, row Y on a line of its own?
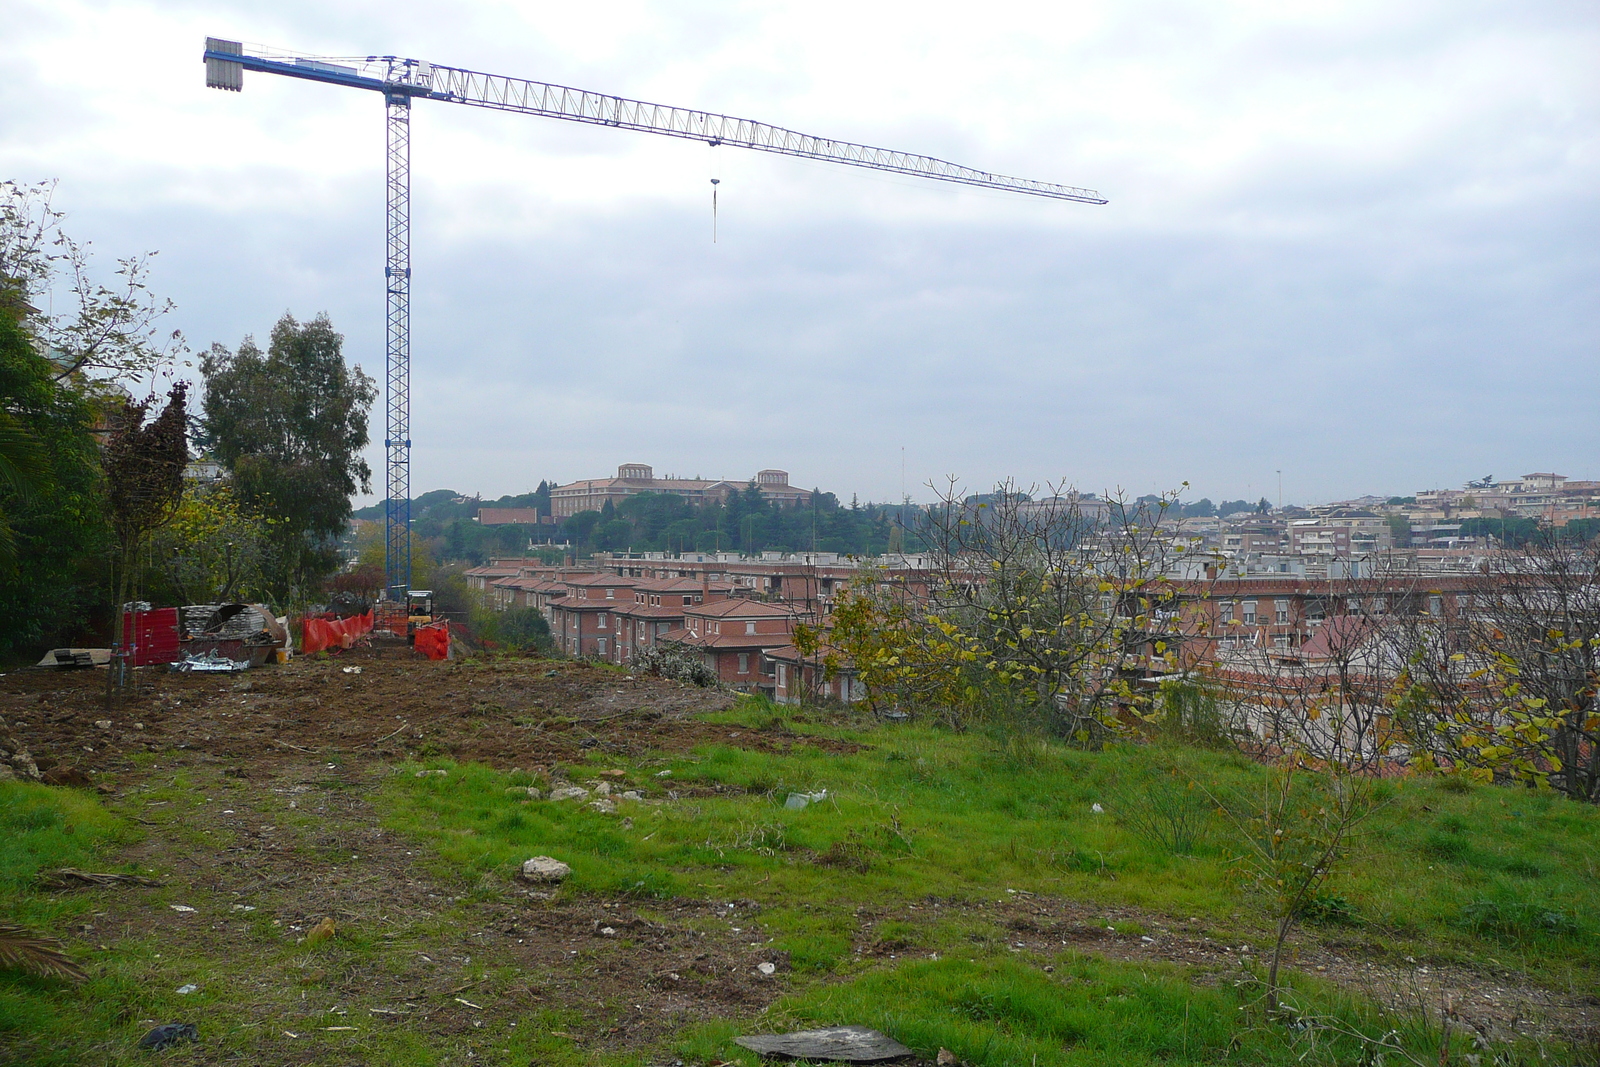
column 1009, row 900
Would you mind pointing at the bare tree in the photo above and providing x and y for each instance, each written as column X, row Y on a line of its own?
column 1505, row 686
column 112, row 328
column 1330, row 696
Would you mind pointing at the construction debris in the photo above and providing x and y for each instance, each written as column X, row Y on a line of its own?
column 66, row 659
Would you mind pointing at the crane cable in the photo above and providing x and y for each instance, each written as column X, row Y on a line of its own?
column 715, row 181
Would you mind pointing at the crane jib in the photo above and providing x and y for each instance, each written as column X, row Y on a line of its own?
column 499, row 93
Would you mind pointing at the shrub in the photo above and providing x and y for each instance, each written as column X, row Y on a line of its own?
column 678, row 663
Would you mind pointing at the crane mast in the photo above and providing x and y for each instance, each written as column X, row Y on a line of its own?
column 402, row 80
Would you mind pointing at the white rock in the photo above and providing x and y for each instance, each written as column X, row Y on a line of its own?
column 603, row 789
column 545, row 869
column 568, row 792
column 1097, row 809
column 187, row 989
column 767, row 968
column 103, row 724
column 604, row 806
column 632, row 794
column 438, row 773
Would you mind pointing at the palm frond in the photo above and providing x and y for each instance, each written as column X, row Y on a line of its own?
column 24, row 467
column 25, row 950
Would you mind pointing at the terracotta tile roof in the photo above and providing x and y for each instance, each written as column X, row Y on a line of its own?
column 741, row 608
column 725, row 642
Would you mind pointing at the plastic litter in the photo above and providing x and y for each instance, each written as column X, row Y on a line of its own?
column 797, row 801
column 187, row 988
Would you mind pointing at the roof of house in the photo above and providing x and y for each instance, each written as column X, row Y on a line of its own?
column 1339, row 635
column 739, row 607
column 730, row 642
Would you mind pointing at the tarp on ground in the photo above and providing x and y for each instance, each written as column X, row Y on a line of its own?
column 318, row 634
column 434, row 641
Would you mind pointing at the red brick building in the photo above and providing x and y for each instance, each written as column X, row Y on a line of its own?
column 734, row 635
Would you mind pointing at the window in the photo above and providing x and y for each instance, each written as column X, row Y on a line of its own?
column 744, row 663
column 602, row 620
column 1380, row 605
column 749, row 627
column 1225, row 611
column 1352, row 603
column 1436, row 605
column 1249, row 612
column 600, row 646
column 1280, row 611
column 611, row 594
column 783, row 675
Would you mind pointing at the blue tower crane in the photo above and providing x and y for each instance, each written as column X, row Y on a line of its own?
column 403, row 80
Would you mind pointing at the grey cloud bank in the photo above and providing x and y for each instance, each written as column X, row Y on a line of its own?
column 1356, row 248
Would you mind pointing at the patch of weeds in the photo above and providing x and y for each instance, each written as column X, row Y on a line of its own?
column 1523, row 868
column 858, row 849
column 1331, row 910
column 1520, row 920
column 1169, row 814
column 1452, row 848
column 1455, row 783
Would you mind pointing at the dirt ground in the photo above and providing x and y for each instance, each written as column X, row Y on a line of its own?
column 264, row 748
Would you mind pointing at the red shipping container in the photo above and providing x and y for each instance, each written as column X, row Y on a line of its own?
column 151, row 636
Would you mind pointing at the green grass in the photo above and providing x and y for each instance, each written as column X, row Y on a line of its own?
column 1486, row 874
column 1481, row 874
column 43, row 828
column 1006, row 1012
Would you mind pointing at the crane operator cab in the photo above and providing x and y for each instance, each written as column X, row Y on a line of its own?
column 419, row 611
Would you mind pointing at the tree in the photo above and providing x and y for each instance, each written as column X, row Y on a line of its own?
column 1060, row 605
column 56, row 517
column 290, row 424
column 111, row 329
column 25, row 471
column 144, row 483
column 1293, row 835
column 214, row 551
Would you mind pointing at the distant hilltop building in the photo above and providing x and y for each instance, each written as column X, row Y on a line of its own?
column 635, row 478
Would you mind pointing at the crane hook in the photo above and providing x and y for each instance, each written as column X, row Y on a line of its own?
column 714, row 183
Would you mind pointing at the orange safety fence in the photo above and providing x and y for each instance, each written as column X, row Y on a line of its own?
column 318, row 634
column 433, row 641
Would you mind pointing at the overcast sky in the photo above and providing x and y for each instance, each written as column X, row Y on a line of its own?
column 1351, row 242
